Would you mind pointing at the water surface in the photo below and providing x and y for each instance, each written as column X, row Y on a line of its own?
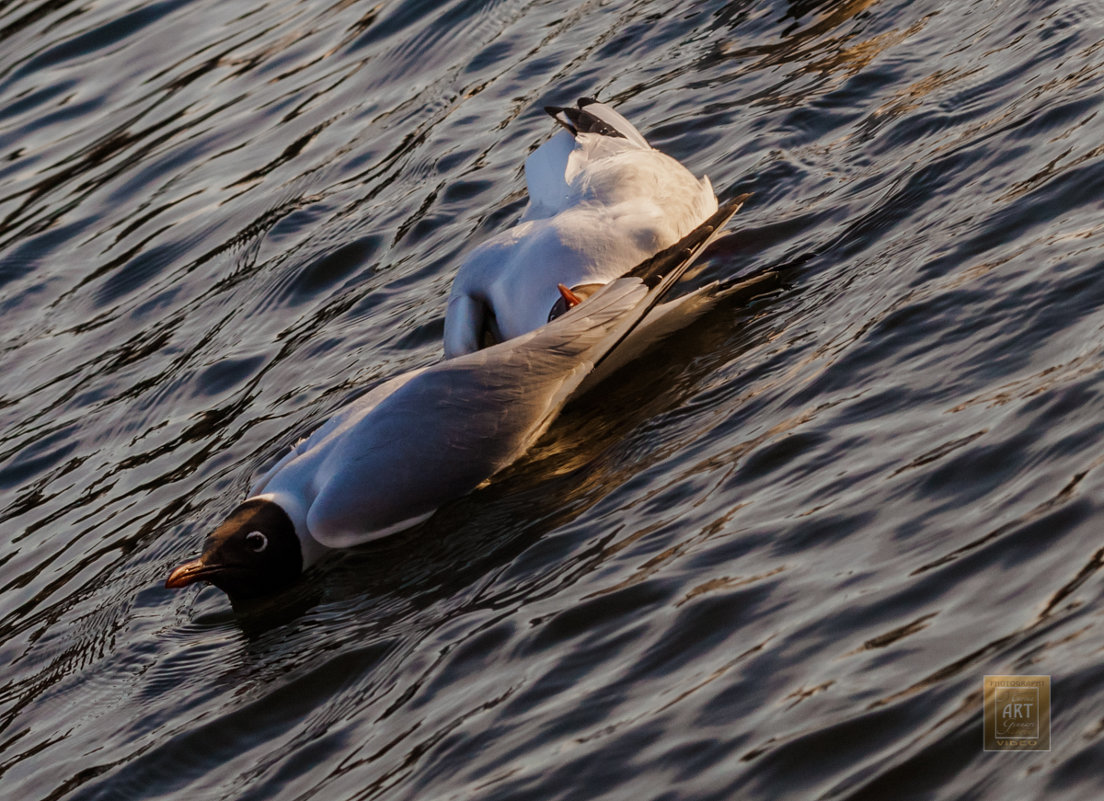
column 773, row 560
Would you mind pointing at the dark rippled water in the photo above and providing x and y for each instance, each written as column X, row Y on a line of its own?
column 773, row 560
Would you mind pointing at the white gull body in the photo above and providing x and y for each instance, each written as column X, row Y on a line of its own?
column 601, row 200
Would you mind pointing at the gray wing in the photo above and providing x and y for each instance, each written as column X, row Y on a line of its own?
column 358, row 408
column 442, row 433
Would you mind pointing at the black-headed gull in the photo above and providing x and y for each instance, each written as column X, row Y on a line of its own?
column 418, row 441
column 601, row 200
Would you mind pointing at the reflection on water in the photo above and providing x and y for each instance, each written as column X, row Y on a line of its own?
column 773, row 559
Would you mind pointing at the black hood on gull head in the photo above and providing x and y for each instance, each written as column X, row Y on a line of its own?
column 254, row 552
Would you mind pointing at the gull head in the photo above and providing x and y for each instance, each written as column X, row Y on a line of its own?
column 570, row 298
column 254, row 552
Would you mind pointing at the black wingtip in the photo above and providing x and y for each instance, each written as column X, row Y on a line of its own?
column 564, row 117
column 663, row 270
column 652, row 271
column 579, row 120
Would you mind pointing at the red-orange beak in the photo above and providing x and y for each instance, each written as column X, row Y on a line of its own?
column 570, row 298
column 185, row 574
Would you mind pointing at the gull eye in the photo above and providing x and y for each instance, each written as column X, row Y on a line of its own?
column 558, row 308
column 256, row 541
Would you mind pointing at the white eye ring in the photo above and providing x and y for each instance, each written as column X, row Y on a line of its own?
column 257, row 541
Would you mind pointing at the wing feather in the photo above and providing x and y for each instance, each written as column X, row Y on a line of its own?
column 444, row 432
